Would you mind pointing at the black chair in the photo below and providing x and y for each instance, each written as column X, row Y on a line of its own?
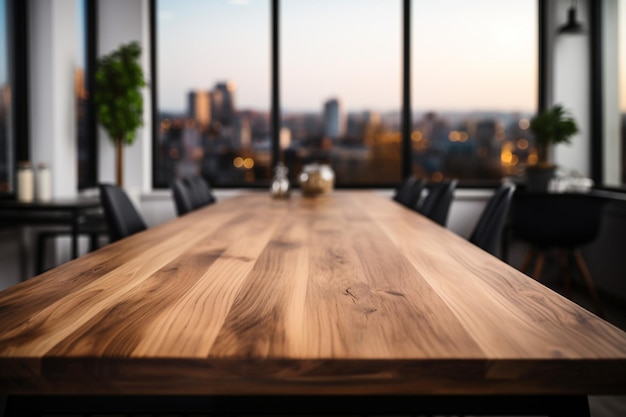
column 409, row 193
column 488, row 230
column 402, row 191
column 437, row 203
column 122, row 218
column 202, row 192
column 191, row 193
column 92, row 226
column 559, row 222
column 182, row 198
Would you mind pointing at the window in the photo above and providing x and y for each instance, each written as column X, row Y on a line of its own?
column 6, row 106
column 341, row 87
column 474, row 87
column 621, row 48
column 85, row 126
column 213, row 86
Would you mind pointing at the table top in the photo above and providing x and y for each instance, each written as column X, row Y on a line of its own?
column 56, row 211
column 347, row 293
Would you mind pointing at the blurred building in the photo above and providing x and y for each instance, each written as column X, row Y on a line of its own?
column 334, row 119
column 223, row 102
column 199, row 107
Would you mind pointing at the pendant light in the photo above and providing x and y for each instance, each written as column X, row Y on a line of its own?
column 572, row 25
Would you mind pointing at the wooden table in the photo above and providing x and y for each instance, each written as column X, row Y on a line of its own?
column 349, row 294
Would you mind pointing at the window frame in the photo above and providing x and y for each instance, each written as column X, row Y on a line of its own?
column 17, row 53
column 405, row 111
column 91, row 53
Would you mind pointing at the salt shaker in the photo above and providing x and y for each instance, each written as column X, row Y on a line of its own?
column 25, row 182
column 43, row 182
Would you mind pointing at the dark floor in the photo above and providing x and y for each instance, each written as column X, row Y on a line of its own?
column 614, row 310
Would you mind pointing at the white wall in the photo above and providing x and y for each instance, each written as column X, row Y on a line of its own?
column 612, row 152
column 52, row 60
column 571, row 86
column 121, row 22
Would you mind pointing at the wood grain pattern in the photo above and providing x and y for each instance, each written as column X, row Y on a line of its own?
column 348, row 293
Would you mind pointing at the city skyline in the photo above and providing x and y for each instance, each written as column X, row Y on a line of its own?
column 453, row 116
column 216, row 139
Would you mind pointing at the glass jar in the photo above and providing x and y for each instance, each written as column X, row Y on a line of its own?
column 280, row 183
column 317, row 179
column 43, row 182
column 25, row 182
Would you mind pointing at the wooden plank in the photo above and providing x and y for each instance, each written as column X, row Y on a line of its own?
column 266, row 317
column 531, row 320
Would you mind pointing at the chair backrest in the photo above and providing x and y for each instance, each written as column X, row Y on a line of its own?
column 200, row 192
column 488, row 229
column 121, row 216
column 190, row 193
column 437, row 203
column 565, row 220
column 403, row 190
column 410, row 192
column 182, row 197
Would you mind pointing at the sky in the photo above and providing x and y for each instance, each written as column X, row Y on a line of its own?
column 3, row 42
column 483, row 57
column 461, row 56
column 82, row 29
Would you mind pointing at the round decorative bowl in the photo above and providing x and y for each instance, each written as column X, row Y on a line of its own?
column 317, row 179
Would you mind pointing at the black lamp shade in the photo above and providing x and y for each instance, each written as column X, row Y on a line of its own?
column 572, row 25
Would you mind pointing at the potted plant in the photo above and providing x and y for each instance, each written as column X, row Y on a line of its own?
column 117, row 98
column 550, row 127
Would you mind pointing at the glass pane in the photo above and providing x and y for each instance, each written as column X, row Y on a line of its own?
column 86, row 168
column 621, row 24
column 213, row 91
column 614, row 92
column 6, row 136
column 474, row 87
column 341, row 88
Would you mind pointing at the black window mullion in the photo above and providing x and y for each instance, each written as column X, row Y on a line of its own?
column 19, row 38
column 596, row 92
column 275, row 118
column 406, row 89
column 156, row 147
column 542, row 56
column 91, row 53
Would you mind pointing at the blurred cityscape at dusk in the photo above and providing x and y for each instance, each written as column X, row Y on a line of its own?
column 228, row 145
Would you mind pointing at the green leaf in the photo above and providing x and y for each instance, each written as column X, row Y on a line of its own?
column 117, row 92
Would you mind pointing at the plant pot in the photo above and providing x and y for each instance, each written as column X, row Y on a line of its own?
column 538, row 178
